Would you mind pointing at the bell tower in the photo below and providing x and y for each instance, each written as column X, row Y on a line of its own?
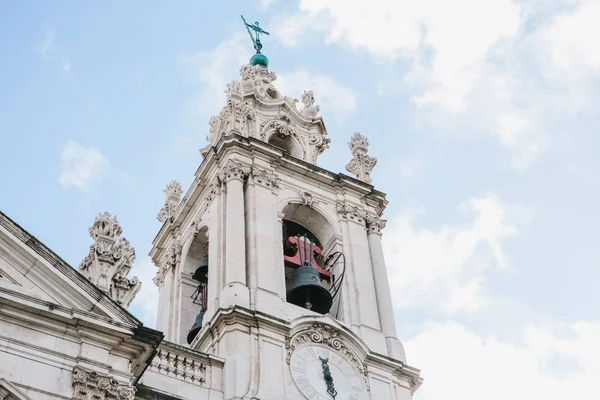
column 274, row 264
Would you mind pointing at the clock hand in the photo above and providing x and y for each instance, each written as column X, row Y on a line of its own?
column 328, row 378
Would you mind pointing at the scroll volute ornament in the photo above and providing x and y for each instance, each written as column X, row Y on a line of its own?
column 90, row 385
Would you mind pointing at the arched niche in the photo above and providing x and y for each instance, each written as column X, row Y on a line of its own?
column 195, row 251
column 287, row 143
column 300, row 220
column 311, row 219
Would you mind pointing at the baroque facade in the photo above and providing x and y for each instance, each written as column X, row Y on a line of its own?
column 260, row 227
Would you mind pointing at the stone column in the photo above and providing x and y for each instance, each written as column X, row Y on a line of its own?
column 382, row 289
column 235, row 291
column 264, row 242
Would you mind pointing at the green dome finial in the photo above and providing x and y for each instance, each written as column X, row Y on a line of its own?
column 258, row 58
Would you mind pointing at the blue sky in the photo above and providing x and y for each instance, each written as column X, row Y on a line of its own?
column 483, row 117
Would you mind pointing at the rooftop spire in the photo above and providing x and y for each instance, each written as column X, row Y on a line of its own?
column 258, row 58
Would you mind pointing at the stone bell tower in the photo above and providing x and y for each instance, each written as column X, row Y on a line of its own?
column 260, row 221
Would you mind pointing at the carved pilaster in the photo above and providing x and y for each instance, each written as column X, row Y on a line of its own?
column 361, row 164
column 173, row 193
column 351, row 213
column 170, row 261
column 233, row 170
column 375, row 225
column 109, row 260
column 90, row 385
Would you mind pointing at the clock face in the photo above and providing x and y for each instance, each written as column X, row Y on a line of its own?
column 312, row 367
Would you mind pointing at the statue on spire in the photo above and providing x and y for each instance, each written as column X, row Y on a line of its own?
column 258, row 58
column 257, row 30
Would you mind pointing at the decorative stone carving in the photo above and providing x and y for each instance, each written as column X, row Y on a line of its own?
column 308, row 199
column 328, row 336
column 259, row 79
column 169, row 261
column 352, row 213
column 282, row 124
column 109, row 261
column 361, row 164
column 173, row 193
column 178, row 365
column 233, row 170
column 265, row 178
column 90, row 385
column 375, row 225
column 310, row 110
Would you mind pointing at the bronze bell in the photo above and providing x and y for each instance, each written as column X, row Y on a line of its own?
column 201, row 273
column 307, row 291
column 196, row 327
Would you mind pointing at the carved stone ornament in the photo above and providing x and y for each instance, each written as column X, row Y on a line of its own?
column 259, row 79
column 361, row 163
column 352, row 213
column 173, row 193
column 328, row 336
column 310, row 110
column 170, row 260
column 282, row 124
column 265, row 178
column 233, row 170
column 308, row 199
column 375, row 225
column 109, row 261
column 90, row 385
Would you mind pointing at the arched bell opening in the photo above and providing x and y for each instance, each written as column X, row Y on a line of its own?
column 311, row 282
column 196, row 266
column 286, row 143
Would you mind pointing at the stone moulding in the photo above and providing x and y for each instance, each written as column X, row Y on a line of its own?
column 328, row 336
column 90, row 385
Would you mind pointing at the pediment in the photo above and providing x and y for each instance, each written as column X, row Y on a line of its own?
column 31, row 275
column 9, row 391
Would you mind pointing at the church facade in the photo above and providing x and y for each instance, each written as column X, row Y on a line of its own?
column 271, row 276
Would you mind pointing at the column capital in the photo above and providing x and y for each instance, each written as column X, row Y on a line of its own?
column 265, row 178
column 233, row 170
column 375, row 225
column 351, row 213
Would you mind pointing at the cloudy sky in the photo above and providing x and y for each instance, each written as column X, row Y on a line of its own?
column 482, row 114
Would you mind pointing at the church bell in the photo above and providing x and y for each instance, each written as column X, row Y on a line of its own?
column 307, row 291
column 196, row 327
column 201, row 273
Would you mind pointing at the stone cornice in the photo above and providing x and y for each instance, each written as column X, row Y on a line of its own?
column 252, row 147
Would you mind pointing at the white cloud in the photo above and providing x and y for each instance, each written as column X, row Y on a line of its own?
column 212, row 69
column 82, row 167
column 445, row 267
column 515, row 70
column 410, row 168
column 145, row 304
column 551, row 363
column 333, row 97
column 48, row 50
column 46, row 47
